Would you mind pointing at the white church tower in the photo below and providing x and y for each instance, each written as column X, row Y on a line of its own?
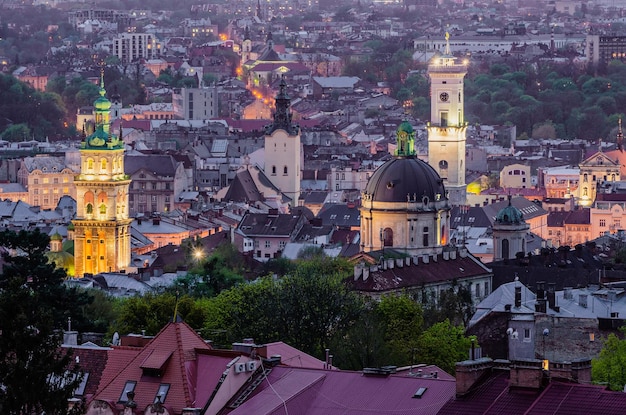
column 283, row 149
column 447, row 126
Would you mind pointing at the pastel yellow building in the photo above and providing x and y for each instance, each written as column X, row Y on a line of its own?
column 47, row 179
column 515, row 176
column 594, row 171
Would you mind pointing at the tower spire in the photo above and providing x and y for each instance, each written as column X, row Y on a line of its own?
column 282, row 116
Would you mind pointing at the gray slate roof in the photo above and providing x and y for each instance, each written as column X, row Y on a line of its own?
column 159, row 164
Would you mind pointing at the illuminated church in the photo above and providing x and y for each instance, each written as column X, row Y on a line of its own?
column 102, row 226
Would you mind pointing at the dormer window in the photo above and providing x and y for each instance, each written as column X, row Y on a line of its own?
column 128, row 388
column 161, row 394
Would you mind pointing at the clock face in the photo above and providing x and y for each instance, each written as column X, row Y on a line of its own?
column 444, row 96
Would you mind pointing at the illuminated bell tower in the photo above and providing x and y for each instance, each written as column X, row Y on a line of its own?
column 102, row 227
column 447, row 126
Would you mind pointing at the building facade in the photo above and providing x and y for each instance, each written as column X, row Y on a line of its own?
column 447, row 127
column 515, row 176
column 129, row 47
column 594, row 171
column 195, row 103
column 156, row 181
column 47, row 179
column 102, row 239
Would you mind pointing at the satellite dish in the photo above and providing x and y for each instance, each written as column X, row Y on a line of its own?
column 515, row 335
column 546, row 332
column 509, row 331
column 116, row 339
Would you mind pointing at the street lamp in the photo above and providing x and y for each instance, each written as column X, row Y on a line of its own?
column 198, row 254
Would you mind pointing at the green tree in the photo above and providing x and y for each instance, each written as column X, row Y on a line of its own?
column 608, row 367
column 403, row 323
column 362, row 344
column 16, row 132
column 152, row 311
column 35, row 373
column 98, row 313
column 305, row 309
column 208, row 277
column 444, row 344
column 454, row 304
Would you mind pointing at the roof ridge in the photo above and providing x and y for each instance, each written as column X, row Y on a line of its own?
column 181, row 361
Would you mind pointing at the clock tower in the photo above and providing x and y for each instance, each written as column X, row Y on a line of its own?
column 447, row 126
column 102, row 227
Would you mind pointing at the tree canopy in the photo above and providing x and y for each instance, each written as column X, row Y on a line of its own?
column 35, row 373
column 608, row 367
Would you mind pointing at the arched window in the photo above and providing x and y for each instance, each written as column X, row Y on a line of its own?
column 285, row 171
column 103, row 209
column 585, row 178
column 103, row 164
column 585, row 191
column 387, row 237
column 88, row 199
column 274, row 170
column 505, row 248
column 89, row 164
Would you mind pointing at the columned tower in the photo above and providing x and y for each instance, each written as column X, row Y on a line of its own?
column 447, row 126
column 283, row 149
column 102, row 227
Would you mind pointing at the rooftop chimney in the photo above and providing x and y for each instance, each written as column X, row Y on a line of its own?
column 526, row 373
column 469, row 372
column 552, row 297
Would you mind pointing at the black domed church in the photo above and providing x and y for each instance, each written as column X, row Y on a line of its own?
column 405, row 206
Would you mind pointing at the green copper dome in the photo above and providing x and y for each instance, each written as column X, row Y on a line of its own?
column 102, row 103
column 510, row 215
column 56, row 237
column 63, row 260
column 406, row 127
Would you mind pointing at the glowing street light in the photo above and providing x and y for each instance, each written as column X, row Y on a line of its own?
column 198, row 254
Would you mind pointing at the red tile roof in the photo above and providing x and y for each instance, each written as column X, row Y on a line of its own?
column 176, row 340
column 92, row 361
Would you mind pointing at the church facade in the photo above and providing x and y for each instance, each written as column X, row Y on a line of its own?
column 404, row 205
